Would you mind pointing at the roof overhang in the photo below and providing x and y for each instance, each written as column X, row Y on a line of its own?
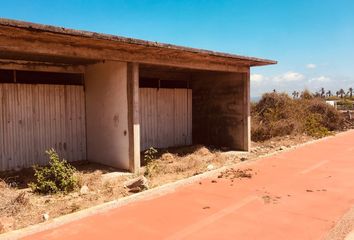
column 44, row 43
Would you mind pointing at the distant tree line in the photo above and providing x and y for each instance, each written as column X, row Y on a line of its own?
column 322, row 93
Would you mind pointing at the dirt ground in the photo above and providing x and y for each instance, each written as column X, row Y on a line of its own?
column 19, row 207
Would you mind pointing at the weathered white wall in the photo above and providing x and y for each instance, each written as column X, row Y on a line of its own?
column 107, row 114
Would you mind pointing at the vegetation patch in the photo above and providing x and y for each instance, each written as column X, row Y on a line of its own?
column 59, row 176
column 277, row 114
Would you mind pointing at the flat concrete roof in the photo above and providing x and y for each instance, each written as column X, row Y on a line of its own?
column 250, row 61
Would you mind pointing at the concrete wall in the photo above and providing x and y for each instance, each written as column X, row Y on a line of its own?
column 220, row 110
column 107, row 114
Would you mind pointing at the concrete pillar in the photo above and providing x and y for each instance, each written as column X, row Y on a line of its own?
column 247, row 112
column 134, row 118
column 107, row 114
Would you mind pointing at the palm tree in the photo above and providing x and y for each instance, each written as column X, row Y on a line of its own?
column 329, row 93
column 341, row 93
column 295, row 94
column 322, row 92
column 350, row 92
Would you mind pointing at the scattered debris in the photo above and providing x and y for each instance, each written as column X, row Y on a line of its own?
column 210, row 167
column 137, row 184
column 236, row 173
column 213, row 181
column 206, row 207
column 270, row 199
column 266, row 199
column 45, row 217
column 84, row 190
column 309, row 190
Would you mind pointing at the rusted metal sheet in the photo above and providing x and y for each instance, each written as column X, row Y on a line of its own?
column 165, row 117
column 36, row 117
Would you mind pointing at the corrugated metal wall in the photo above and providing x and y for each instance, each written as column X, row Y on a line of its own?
column 35, row 117
column 165, row 117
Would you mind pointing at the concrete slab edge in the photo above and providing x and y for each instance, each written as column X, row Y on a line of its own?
column 344, row 227
column 145, row 195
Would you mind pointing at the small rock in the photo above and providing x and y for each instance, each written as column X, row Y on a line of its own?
column 243, row 159
column 213, row 181
column 84, row 190
column 210, row 167
column 135, row 190
column 45, row 217
column 282, row 148
column 168, row 157
column 137, row 183
column 74, row 195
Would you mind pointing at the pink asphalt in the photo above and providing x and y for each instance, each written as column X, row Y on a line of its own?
column 299, row 194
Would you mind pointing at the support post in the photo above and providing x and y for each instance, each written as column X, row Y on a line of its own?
column 247, row 112
column 134, row 118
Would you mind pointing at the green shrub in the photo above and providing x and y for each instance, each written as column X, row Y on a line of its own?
column 151, row 165
column 59, row 176
column 313, row 126
column 330, row 118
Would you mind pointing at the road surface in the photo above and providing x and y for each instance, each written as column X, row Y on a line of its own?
column 299, row 194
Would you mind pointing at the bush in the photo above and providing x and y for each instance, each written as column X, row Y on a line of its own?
column 307, row 95
column 151, row 165
column 273, row 116
column 59, row 176
column 330, row 117
column 313, row 126
column 279, row 115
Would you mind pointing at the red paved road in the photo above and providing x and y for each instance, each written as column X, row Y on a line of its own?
column 295, row 195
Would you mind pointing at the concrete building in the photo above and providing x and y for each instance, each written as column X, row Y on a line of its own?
column 104, row 98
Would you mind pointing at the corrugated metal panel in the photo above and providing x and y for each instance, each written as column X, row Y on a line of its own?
column 165, row 117
column 37, row 117
column 166, row 120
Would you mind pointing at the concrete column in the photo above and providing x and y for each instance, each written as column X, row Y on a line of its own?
column 247, row 112
column 134, row 118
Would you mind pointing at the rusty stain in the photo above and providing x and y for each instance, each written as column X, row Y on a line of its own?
column 115, row 120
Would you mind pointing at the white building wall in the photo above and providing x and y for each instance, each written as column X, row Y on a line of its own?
column 107, row 114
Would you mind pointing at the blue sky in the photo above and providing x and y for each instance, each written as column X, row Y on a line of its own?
column 313, row 40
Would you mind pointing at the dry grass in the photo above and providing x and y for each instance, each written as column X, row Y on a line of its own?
column 178, row 163
column 19, row 207
column 279, row 115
